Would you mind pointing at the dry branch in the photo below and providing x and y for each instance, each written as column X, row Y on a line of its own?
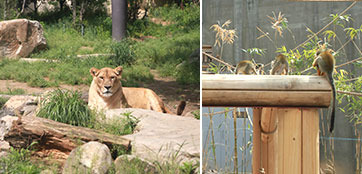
column 214, row 58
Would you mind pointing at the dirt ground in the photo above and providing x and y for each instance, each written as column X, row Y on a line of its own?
column 167, row 88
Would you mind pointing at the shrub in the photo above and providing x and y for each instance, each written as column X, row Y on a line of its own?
column 66, row 107
column 123, row 53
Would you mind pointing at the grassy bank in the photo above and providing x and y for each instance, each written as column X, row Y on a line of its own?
column 150, row 46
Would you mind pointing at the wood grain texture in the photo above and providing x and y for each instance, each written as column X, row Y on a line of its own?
column 292, row 141
column 247, row 98
column 256, row 161
column 310, row 132
column 265, row 82
column 265, row 91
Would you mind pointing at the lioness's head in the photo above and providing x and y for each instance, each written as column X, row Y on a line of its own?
column 106, row 80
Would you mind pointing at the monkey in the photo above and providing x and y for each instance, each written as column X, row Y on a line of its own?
column 324, row 62
column 245, row 67
column 280, row 65
column 259, row 69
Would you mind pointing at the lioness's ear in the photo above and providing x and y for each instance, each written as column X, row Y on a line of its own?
column 94, row 71
column 118, row 70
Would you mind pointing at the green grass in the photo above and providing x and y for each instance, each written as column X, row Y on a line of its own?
column 166, row 53
column 65, row 107
column 14, row 91
column 123, row 125
column 170, row 46
column 3, row 101
column 137, row 166
column 67, row 71
column 196, row 114
column 18, row 161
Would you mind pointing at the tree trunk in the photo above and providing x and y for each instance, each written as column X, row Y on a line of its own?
column 5, row 9
column 119, row 19
column 50, row 134
column 74, row 10
column 61, row 4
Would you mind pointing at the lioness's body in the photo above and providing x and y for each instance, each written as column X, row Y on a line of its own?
column 106, row 92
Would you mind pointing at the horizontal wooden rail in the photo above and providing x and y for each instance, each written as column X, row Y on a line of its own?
column 265, row 91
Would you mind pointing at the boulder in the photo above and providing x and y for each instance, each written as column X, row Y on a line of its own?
column 159, row 136
column 123, row 162
column 19, row 37
column 92, row 157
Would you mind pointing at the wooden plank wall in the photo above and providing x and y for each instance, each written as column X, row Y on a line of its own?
column 293, row 147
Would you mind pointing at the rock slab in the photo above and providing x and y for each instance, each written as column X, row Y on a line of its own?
column 20, row 37
column 92, row 157
column 159, row 136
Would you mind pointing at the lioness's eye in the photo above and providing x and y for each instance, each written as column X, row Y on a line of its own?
column 112, row 78
column 101, row 78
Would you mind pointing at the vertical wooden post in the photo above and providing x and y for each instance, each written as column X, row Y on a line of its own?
column 256, row 141
column 293, row 147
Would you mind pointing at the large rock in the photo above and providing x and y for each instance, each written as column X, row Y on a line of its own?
column 92, row 157
column 26, row 105
column 19, row 37
column 159, row 136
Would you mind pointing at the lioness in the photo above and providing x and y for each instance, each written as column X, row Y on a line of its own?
column 106, row 92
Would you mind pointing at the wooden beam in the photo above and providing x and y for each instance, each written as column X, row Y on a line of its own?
column 265, row 91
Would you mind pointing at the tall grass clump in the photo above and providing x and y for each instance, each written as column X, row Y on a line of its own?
column 66, row 107
column 123, row 125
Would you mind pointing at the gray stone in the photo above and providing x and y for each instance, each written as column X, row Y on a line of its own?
column 4, row 146
column 20, row 100
column 92, row 157
column 5, row 125
column 20, row 37
column 124, row 161
column 159, row 136
column 26, row 105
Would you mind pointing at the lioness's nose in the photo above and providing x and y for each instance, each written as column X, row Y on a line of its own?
column 107, row 87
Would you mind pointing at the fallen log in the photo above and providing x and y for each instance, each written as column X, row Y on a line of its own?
column 50, row 134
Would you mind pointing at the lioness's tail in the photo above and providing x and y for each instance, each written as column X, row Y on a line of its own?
column 180, row 108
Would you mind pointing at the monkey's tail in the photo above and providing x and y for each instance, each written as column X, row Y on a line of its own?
column 331, row 82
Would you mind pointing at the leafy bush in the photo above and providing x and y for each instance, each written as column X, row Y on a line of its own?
column 66, row 107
